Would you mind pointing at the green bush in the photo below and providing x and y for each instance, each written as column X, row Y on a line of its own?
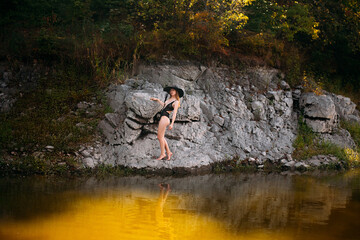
column 308, row 144
column 354, row 130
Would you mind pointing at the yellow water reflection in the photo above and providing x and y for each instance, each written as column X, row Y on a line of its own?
column 254, row 206
column 118, row 215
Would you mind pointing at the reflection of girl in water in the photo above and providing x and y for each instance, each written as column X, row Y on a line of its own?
column 163, row 196
column 163, row 224
column 170, row 105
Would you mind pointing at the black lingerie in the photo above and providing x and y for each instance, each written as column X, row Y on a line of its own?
column 169, row 107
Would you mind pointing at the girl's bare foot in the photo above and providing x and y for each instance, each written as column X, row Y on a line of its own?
column 161, row 157
column 169, row 155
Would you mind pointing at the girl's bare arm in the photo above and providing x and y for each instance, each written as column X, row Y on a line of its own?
column 174, row 114
column 157, row 100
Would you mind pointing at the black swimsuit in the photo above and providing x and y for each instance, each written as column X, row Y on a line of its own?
column 168, row 107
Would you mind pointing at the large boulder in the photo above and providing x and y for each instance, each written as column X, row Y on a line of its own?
column 319, row 112
column 139, row 102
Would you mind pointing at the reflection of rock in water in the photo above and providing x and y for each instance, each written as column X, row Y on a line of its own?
column 242, row 202
column 253, row 201
column 270, row 201
column 315, row 200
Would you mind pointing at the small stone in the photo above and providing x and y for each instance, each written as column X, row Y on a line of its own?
column 38, row 155
column 50, row 148
column 80, row 125
column 219, row 120
column 215, row 128
column 82, row 105
column 247, row 149
column 90, row 114
column 283, row 161
column 252, row 159
column 290, row 164
column 273, row 95
column 62, row 163
column 89, row 162
column 299, row 164
column 263, row 153
column 315, row 162
column 284, row 85
column 261, row 166
column 86, row 153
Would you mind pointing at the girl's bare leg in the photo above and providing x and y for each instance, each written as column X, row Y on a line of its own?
column 167, row 150
column 164, row 122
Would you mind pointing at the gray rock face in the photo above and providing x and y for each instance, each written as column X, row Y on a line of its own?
column 214, row 121
column 340, row 137
column 189, row 109
column 319, row 112
column 224, row 114
column 321, row 160
column 345, row 108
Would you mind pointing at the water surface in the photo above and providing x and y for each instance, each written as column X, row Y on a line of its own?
column 242, row 206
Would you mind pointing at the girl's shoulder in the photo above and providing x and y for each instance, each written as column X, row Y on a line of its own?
column 176, row 102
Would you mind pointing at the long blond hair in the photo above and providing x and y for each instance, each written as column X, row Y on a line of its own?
column 177, row 97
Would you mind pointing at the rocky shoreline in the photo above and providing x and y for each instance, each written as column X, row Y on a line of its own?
column 229, row 120
column 248, row 116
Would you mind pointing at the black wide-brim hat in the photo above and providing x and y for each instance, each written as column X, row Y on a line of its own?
column 179, row 90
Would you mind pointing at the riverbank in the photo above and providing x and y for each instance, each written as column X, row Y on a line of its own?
column 30, row 168
column 265, row 125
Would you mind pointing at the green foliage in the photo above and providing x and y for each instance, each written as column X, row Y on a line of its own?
column 101, row 37
column 297, row 19
column 306, row 137
column 354, row 130
column 322, row 31
column 233, row 165
column 339, row 39
column 5, row 134
column 307, row 144
column 286, row 21
column 45, row 116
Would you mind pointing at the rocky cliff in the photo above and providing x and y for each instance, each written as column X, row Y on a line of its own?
column 225, row 113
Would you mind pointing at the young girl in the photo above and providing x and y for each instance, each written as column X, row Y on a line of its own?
column 172, row 104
